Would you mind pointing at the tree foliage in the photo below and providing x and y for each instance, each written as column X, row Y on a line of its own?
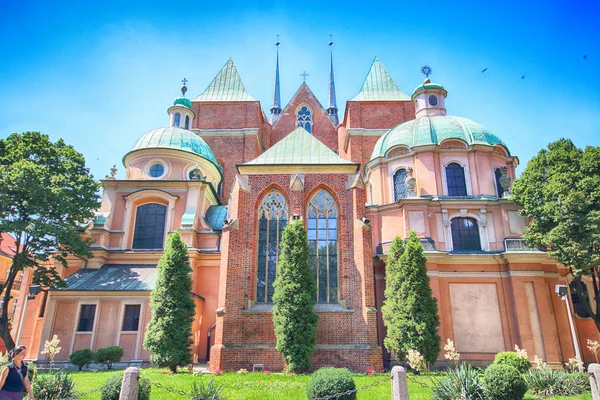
column 410, row 312
column 559, row 191
column 47, row 197
column 293, row 316
column 169, row 333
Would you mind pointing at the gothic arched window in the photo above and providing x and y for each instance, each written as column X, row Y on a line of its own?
column 187, row 122
column 272, row 219
column 177, row 120
column 579, row 298
column 322, row 245
column 304, row 118
column 455, row 178
column 400, row 189
column 465, row 235
column 149, row 230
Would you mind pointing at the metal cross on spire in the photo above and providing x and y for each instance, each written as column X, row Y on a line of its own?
column 184, row 88
column 184, row 81
column 277, row 43
column 330, row 39
column 304, row 75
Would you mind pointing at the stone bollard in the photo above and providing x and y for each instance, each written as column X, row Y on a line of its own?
column 594, row 372
column 399, row 384
column 131, row 384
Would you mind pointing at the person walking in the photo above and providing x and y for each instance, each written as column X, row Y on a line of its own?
column 14, row 378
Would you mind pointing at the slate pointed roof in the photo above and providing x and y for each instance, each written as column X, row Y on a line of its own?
column 299, row 148
column 379, row 86
column 227, row 86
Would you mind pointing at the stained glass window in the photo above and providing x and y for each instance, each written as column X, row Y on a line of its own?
column 86, row 318
column 323, row 245
column 187, row 122
column 177, row 120
column 455, row 178
column 465, row 235
column 579, row 298
column 400, row 189
column 272, row 219
column 131, row 318
column 149, row 226
column 498, row 175
column 304, row 118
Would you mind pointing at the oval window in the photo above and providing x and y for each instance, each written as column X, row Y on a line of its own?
column 157, row 170
column 433, row 100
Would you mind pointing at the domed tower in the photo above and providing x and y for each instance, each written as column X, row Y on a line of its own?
column 429, row 99
column 181, row 114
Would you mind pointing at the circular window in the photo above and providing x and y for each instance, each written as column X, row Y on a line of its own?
column 195, row 175
column 156, row 170
column 433, row 100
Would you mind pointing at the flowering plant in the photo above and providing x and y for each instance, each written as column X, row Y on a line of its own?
column 451, row 353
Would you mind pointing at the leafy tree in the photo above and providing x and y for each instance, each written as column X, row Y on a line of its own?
column 169, row 333
column 410, row 312
column 559, row 191
column 47, row 197
column 293, row 316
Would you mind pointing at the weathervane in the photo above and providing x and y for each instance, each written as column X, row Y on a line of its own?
column 277, row 43
column 330, row 39
column 184, row 88
column 426, row 70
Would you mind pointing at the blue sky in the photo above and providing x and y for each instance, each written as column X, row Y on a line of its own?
column 100, row 74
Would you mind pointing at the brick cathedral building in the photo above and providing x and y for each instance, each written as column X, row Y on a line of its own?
column 230, row 177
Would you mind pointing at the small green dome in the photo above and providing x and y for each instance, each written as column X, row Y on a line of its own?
column 176, row 139
column 434, row 130
column 183, row 101
column 428, row 85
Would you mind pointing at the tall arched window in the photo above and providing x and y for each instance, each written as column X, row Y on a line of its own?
column 187, row 122
column 498, row 175
column 455, row 178
column 177, row 120
column 579, row 298
column 322, row 245
column 149, row 226
column 465, row 235
column 400, row 189
column 304, row 118
column 272, row 219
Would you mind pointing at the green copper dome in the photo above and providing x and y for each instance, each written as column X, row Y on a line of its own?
column 434, row 130
column 176, row 139
column 428, row 85
column 183, row 101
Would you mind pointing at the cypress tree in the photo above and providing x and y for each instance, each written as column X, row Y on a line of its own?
column 293, row 316
column 169, row 333
column 410, row 312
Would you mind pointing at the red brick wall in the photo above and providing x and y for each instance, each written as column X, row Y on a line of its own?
column 378, row 114
column 347, row 339
column 323, row 129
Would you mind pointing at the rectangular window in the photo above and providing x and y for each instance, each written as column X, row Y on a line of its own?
column 131, row 318
column 43, row 306
column 86, row 318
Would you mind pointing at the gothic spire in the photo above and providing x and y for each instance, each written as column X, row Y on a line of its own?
column 276, row 108
column 332, row 106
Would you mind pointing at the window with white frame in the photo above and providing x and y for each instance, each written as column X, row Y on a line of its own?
column 400, row 188
column 455, row 180
column 149, row 230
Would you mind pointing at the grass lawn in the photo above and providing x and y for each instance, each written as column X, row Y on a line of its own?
column 256, row 386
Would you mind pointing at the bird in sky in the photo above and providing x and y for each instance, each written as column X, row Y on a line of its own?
column 523, row 77
column 585, row 57
column 485, row 69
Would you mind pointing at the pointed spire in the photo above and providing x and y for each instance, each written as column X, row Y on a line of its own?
column 276, row 108
column 227, row 86
column 379, row 86
column 332, row 105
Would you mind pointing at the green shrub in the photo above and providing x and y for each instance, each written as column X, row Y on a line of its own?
column 503, row 382
column 207, row 392
column 328, row 381
column 112, row 388
column 548, row 383
column 53, row 386
column 109, row 355
column 522, row 364
column 81, row 358
column 460, row 383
